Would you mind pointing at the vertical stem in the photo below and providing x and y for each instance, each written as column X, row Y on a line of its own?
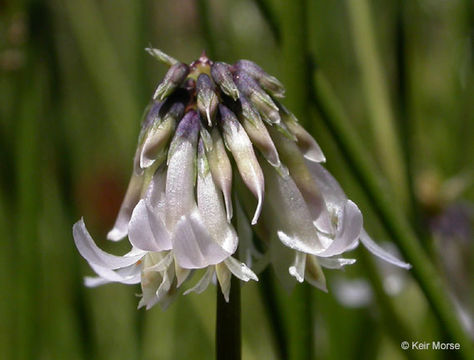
column 269, row 296
column 377, row 97
column 228, row 326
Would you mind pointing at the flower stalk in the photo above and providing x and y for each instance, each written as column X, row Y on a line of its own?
column 228, row 324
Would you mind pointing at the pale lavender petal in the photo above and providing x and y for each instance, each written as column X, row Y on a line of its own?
column 146, row 231
column 380, row 252
column 181, row 170
column 239, row 269
column 291, row 156
column 286, row 209
column 128, row 275
column 330, row 188
column 335, row 263
column 94, row 255
column 193, row 246
column 132, row 196
column 211, row 207
column 349, row 228
column 297, row 270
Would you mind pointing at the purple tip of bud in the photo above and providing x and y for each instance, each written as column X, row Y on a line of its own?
column 177, row 73
column 226, row 113
column 153, row 114
column 189, row 126
column 246, row 83
column 223, row 77
column 251, row 68
column 204, row 82
column 266, row 81
column 173, row 78
column 176, row 110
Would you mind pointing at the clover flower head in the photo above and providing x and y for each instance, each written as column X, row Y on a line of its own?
column 218, row 158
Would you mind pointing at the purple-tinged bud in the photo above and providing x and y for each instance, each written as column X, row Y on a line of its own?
column 161, row 56
column 266, row 81
column 258, row 134
column 207, row 100
column 173, row 78
column 262, row 101
column 223, row 77
column 220, row 167
column 187, row 131
column 159, row 135
column 241, row 148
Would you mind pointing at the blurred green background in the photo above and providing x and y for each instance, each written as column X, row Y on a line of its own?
column 74, row 80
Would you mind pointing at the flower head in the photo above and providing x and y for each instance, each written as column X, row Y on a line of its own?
column 218, row 156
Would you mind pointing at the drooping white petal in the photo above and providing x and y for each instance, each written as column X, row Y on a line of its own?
column 348, row 229
column 380, row 252
column 224, row 277
column 147, row 231
column 127, row 275
column 314, row 274
column 286, row 209
column 193, row 246
column 132, row 196
column 94, row 255
column 335, row 263
column 203, row 283
column 297, row 270
column 239, row 269
column 221, row 169
column 211, row 207
column 241, row 148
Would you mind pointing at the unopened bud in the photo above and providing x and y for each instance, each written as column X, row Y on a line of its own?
column 207, row 100
column 173, row 78
column 223, row 77
column 266, row 81
column 262, row 101
column 161, row 56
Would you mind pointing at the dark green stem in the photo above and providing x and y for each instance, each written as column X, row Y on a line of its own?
column 228, row 326
column 269, row 296
column 395, row 223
